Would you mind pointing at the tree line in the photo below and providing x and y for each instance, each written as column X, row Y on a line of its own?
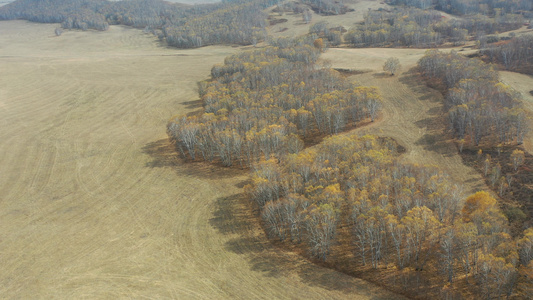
column 399, row 27
column 184, row 26
column 264, row 102
column 515, row 54
column 466, row 7
column 408, row 216
column 424, row 28
column 327, row 7
column 480, row 107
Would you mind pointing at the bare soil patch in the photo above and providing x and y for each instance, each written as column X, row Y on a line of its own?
column 94, row 202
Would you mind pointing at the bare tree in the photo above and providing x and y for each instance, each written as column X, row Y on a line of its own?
column 392, row 65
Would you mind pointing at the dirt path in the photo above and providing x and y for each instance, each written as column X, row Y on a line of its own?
column 94, row 204
column 412, row 112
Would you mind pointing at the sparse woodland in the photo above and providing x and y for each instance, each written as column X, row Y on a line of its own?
column 327, row 7
column 407, row 218
column 466, row 7
column 480, row 107
column 265, row 102
column 515, row 54
column 240, row 22
column 424, row 28
column 183, row 26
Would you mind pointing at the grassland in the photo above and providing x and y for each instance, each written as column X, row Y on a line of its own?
column 94, row 202
column 413, row 114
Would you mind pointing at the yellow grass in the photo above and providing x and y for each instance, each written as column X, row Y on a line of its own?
column 93, row 202
column 413, row 114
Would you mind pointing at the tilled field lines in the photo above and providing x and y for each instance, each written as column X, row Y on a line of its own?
column 93, row 204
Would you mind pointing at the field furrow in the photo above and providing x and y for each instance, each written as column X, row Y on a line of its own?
column 94, row 202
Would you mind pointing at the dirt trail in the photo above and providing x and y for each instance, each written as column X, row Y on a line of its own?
column 411, row 111
column 93, row 202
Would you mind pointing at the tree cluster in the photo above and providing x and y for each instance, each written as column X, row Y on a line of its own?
column 480, row 107
column 79, row 14
column 262, row 103
column 242, row 24
column 466, row 7
column 516, row 54
column 404, row 215
column 327, row 7
column 424, row 28
column 478, row 24
column 332, row 35
column 399, row 27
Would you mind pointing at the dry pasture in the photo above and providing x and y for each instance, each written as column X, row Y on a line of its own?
column 412, row 113
column 296, row 27
column 94, row 203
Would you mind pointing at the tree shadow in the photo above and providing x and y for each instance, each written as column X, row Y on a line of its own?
column 436, row 138
column 163, row 154
column 350, row 72
column 237, row 218
column 231, row 216
column 234, row 217
column 412, row 79
column 194, row 104
column 382, row 75
column 436, row 143
column 332, row 280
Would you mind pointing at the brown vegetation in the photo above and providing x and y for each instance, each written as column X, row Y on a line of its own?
column 508, row 171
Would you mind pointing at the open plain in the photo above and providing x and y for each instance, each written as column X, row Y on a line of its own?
column 94, row 202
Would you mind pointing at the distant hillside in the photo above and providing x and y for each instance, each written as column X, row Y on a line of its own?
column 184, row 26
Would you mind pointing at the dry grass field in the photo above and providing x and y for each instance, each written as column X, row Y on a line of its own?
column 295, row 26
column 94, row 203
column 412, row 113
